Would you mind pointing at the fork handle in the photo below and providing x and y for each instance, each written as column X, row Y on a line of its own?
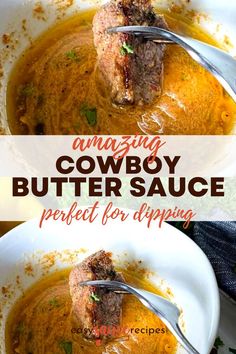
column 164, row 309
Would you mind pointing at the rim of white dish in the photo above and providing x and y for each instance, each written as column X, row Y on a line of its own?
column 17, row 231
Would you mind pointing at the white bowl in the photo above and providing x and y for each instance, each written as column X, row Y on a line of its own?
column 176, row 262
column 216, row 16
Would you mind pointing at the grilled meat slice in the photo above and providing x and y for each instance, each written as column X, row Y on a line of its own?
column 132, row 66
column 94, row 307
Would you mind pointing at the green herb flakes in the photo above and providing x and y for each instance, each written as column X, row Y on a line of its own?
column 90, row 113
column 72, row 55
column 54, row 303
column 126, row 49
column 40, row 100
column 20, row 328
column 27, row 90
column 184, row 76
column 94, row 297
column 66, row 346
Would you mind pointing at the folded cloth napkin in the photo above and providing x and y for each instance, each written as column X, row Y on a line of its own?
column 218, row 241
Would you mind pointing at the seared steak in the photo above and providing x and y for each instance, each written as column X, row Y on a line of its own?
column 133, row 67
column 94, row 307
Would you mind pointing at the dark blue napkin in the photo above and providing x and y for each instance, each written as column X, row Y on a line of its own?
column 218, row 241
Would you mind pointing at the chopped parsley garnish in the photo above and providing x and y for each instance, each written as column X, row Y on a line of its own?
column 94, row 297
column 184, row 76
column 20, row 328
column 126, row 49
column 30, row 335
column 54, row 302
column 66, row 346
column 72, row 55
column 40, row 100
column 27, row 90
column 90, row 113
column 231, row 350
column 218, row 343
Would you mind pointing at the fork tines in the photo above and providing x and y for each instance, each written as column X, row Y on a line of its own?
column 149, row 33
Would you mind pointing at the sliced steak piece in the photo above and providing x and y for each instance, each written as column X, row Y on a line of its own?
column 94, row 307
column 133, row 67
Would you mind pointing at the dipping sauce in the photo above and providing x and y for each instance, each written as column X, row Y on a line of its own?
column 56, row 88
column 40, row 322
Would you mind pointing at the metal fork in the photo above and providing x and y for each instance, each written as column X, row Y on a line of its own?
column 216, row 61
column 164, row 309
